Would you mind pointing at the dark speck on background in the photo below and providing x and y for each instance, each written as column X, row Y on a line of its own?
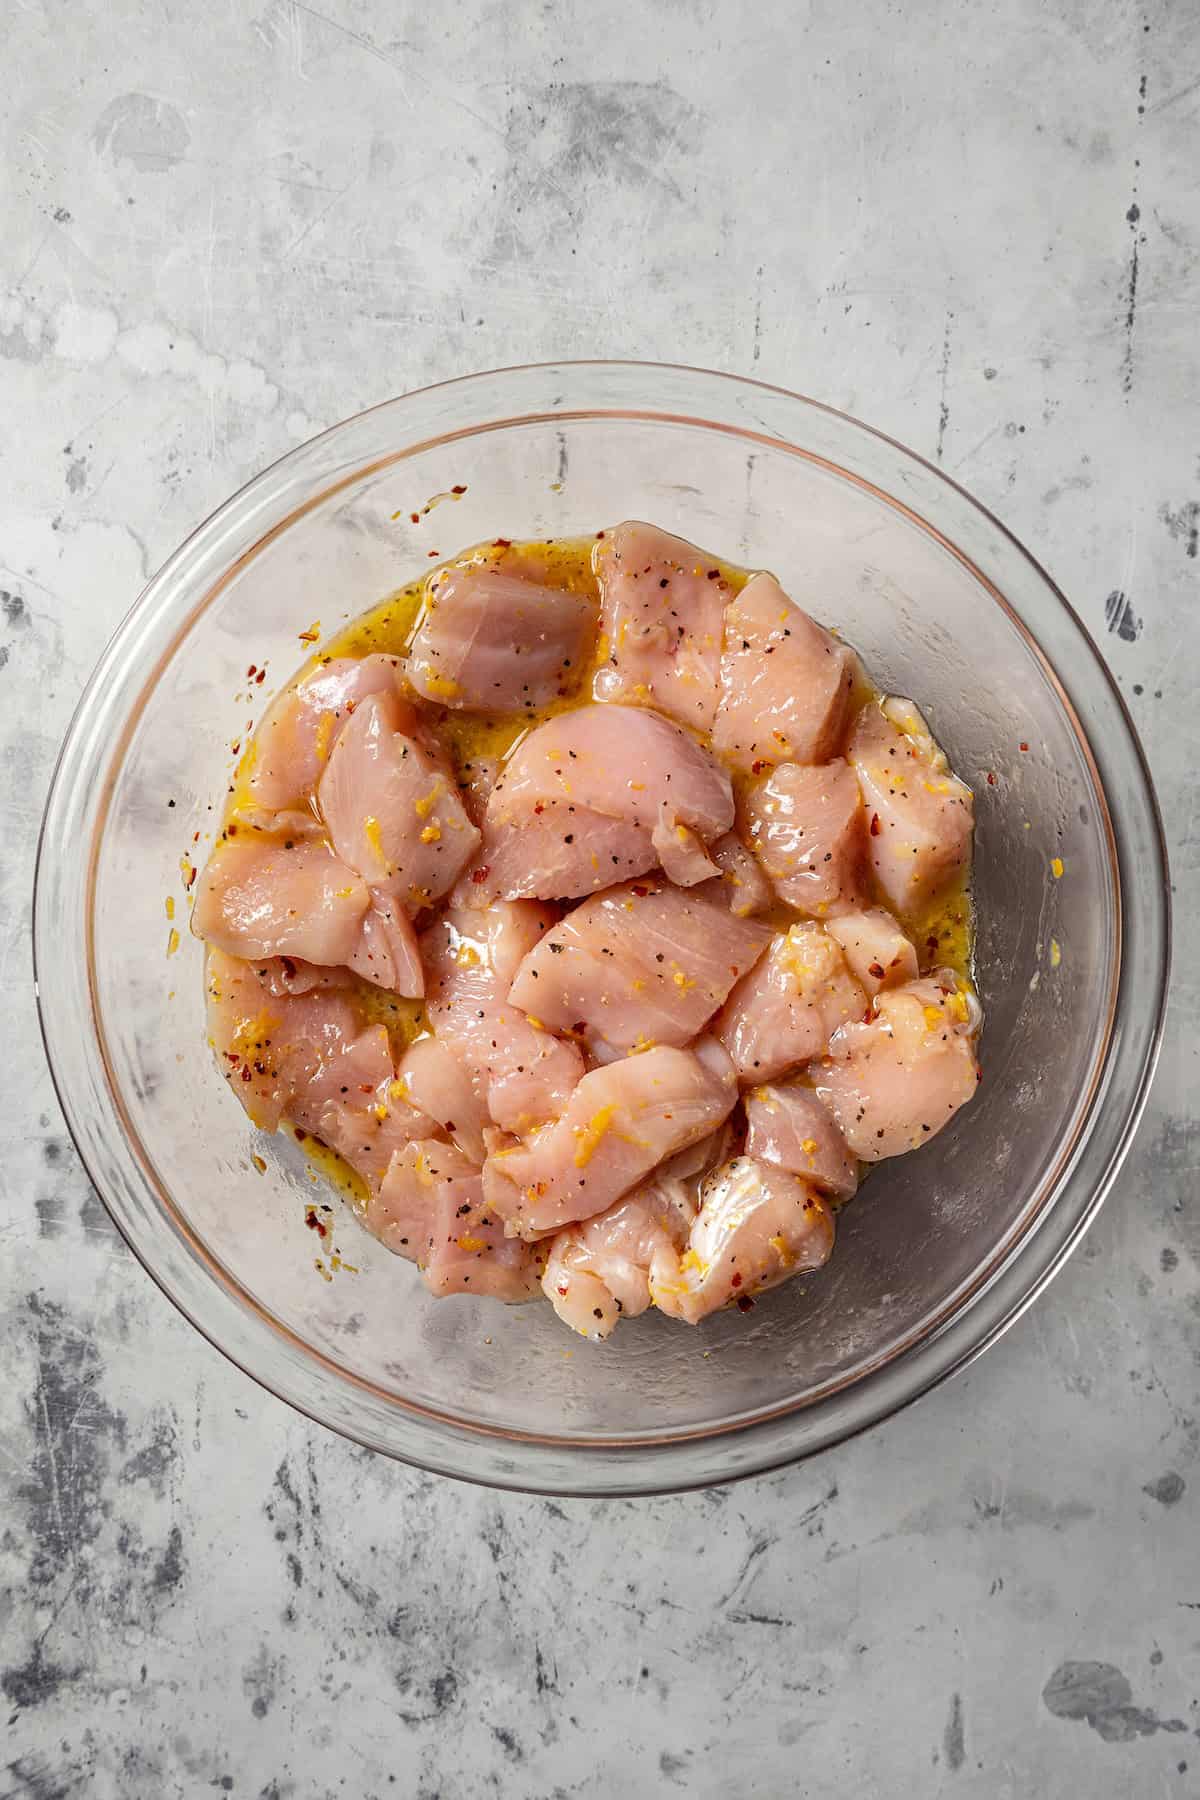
column 1099, row 1695
column 1121, row 618
column 952, row 1738
column 1167, row 1489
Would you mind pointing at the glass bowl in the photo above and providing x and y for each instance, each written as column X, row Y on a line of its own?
column 941, row 1251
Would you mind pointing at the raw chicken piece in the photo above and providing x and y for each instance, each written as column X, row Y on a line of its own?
column 788, row 1007
column 476, row 778
column 743, row 888
column 756, row 1227
column 681, row 853
column 623, row 763
column 258, row 898
column 353, row 1105
column 290, row 975
column 789, row 1128
column 600, row 1271
column 876, row 949
column 785, row 682
column 494, row 643
column 430, row 1209
column 661, row 607
column 620, row 1122
column 435, row 1081
column 393, row 811
column 894, row 1081
column 292, row 745
column 563, row 851
column 920, row 815
column 640, row 964
column 807, row 828
column 270, row 1047
column 386, row 952
column 525, row 1074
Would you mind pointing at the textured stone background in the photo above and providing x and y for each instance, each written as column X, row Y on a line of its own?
column 225, row 227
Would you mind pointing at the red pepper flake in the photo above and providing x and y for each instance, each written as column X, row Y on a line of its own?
column 315, row 1222
column 538, row 807
column 991, row 779
column 415, row 517
column 236, row 745
column 433, row 553
column 875, row 969
column 251, row 671
column 757, row 767
column 501, row 543
column 481, row 873
column 875, row 825
column 189, row 875
column 260, row 678
column 736, row 1280
column 599, row 534
column 300, row 1135
column 289, row 967
column 460, row 487
column 640, row 891
column 1022, row 746
column 246, row 1072
column 744, row 1303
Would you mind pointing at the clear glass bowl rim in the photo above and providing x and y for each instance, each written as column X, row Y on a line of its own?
column 329, row 1394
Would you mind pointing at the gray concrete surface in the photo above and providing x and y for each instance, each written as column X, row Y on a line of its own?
column 224, row 227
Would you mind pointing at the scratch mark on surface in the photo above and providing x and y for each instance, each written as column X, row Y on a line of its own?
column 944, row 373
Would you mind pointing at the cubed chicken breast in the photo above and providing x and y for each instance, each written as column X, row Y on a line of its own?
column 743, row 884
column 271, row 1046
column 806, row 825
column 393, row 811
column 876, row 949
column 292, row 745
column 491, row 642
column 620, row 1122
column 785, row 682
column 662, row 603
column 561, row 852
column 600, row 1271
column 756, row 1227
column 788, row 1127
column 525, row 1073
column 437, row 1082
column 786, row 1010
column 264, row 896
column 355, row 1106
column 644, row 963
column 430, row 1209
column 894, row 1081
column 292, row 975
column 386, row 952
column 919, row 815
column 620, row 763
